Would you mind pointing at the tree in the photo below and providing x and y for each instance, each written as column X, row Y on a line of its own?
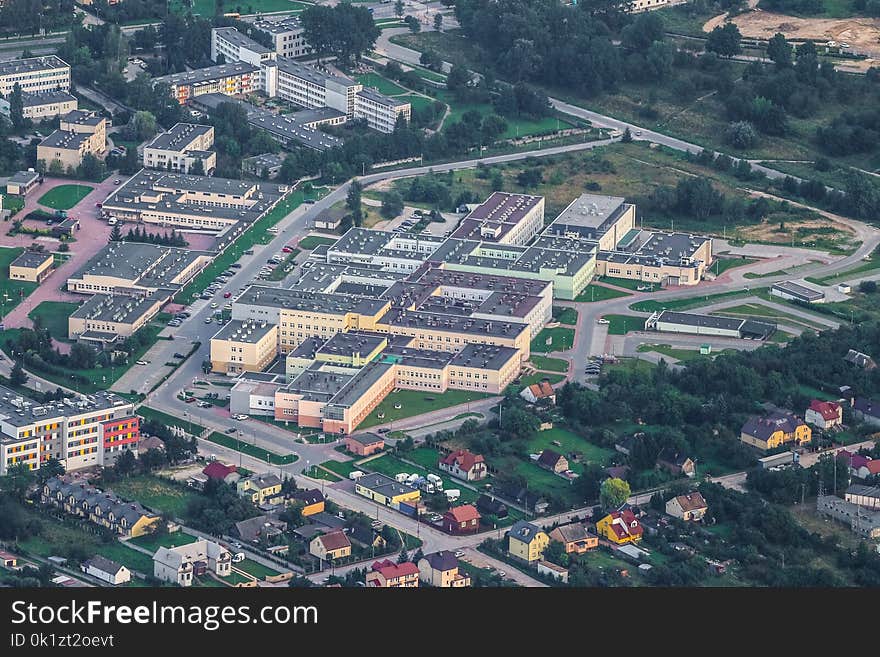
column 18, row 377
column 413, row 23
column 627, row 136
column 613, row 492
column 116, row 233
column 125, row 464
column 17, row 480
column 49, row 469
column 554, row 552
column 344, row 30
column 492, row 128
column 82, row 356
column 403, row 557
column 868, row 287
column 459, row 79
column 724, row 40
column 398, row 8
column 392, row 205
column 16, row 107
column 142, row 126
column 353, row 202
column 740, row 134
column 198, row 168
column 438, row 21
column 530, row 177
column 779, row 50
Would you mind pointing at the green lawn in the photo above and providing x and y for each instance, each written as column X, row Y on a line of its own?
column 569, row 442
column 762, row 311
column 54, row 315
column 342, row 468
column 255, row 569
column 549, row 364
column 721, row 265
column 872, row 264
column 683, row 355
column 170, row 420
column 155, row 493
column 311, row 241
column 565, row 315
column 236, row 578
column 650, row 305
column 13, row 204
column 64, row 197
column 623, row 324
column 595, row 292
column 415, row 402
column 781, row 336
column 316, row 472
column 251, row 450
column 153, row 542
column 630, row 284
column 382, row 84
column 427, row 457
column 208, row 7
column 560, row 339
column 12, row 292
column 542, row 481
column 127, row 556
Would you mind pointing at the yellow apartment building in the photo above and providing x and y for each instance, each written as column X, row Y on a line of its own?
column 244, row 346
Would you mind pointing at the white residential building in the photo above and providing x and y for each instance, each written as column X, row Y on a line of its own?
column 287, row 34
column 181, row 147
column 181, row 564
column 47, row 73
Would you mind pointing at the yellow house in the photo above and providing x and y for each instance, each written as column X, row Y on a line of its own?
column 334, row 545
column 620, row 527
column 259, row 488
column 775, row 429
column 384, row 490
column 311, row 501
column 440, row 569
column 146, row 524
column 526, row 542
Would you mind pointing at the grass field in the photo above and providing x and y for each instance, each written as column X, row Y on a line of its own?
column 208, row 7
column 549, row 364
column 570, row 442
column 872, row 265
column 630, row 284
column 127, row 556
column 315, row 472
column 251, row 450
column 721, row 265
column 623, row 324
column 565, row 315
column 311, row 241
column 155, row 493
column 382, row 84
column 761, row 311
column 64, row 197
column 153, row 542
column 595, row 292
column 683, row 355
column 650, row 306
column 12, row 292
column 53, row 315
column 170, row 420
column 415, row 402
column 342, row 468
column 560, row 339
column 255, row 569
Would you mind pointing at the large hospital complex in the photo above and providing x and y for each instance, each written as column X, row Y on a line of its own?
column 378, row 311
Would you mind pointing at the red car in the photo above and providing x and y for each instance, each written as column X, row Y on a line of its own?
column 227, row 295
column 98, row 205
column 287, row 249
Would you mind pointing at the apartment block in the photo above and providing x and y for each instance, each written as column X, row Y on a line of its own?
column 227, row 79
column 80, row 133
column 80, row 431
column 47, row 73
column 181, row 147
column 288, row 35
column 41, row 105
column 381, row 112
column 244, row 346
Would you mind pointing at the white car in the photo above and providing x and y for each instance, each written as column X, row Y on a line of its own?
column 214, row 304
column 142, row 362
column 602, row 320
column 459, row 554
column 240, row 416
column 238, row 557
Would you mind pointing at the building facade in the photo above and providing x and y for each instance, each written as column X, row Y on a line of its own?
column 31, row 266
column 34, row 74
column 181, row 147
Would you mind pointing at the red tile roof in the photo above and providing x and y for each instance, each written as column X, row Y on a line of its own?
column 542, row 390
column 465, row 459
column 463, row 513
column 857, row 461
column 217, row 470
column 625, row 523
column 873, row 466
column 334, row 541
column 390, row 570
column 828, row 410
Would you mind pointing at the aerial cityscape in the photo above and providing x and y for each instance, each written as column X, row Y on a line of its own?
column 458, row 293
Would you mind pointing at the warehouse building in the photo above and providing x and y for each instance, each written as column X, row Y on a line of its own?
column 722, row 327
column 796, row 292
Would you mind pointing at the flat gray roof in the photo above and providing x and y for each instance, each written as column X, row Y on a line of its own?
column 65, row 140
column 179, row 137
column 31, row 259
column 23, row 177
column 274, row 26
column 311, row 73
column 37, row 98
column 207, row 74
column 318, row 385
column 264, row 160
column 593, row 211
column 800, row 291
column 484, row 356
column 121, row 308
column 318, row 302
column 147, row 264
column 708, row 321
column 380, row 99
column 249, row 331
column 458, row 324
column 83, row 117
column 234, row 36
column 353, row 342
column 355, row 387
column 501, row 211
column 18, row 410
column 32, row 64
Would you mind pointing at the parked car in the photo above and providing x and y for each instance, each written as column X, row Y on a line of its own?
column 602, row 320
column 143, row 362
column 214, row 305
column 227, row 295
column 179, row 355
column 240, row 416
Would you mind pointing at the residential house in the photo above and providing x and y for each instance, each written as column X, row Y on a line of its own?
column 620, row 527
column 676, row 464
column 536, row 392
column 553, row 570
column 575, row 537
column 148, row 443
column 440, row 569
column 221, row 472
column 261, row 527
column 870, row 468
column 181, row 565
column 775, row 429
column 864, row 496
column 687, row 507
column 367, row 537
column 526, row 542
column 388, row 575
column 8, row 560
column 553, row 461
column 867, row 411
column 311, row 500
column 854, row 461
column 332, row 545
column 824, row 415
column 260, row 488
column 859, row 359
column 464, row 519
column 618, row 472
column 464, row 465
column 364, row 444
column 491, row 506
column 106, row 570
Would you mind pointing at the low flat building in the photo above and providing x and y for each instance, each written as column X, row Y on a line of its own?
column 181, row 565
column 864, row 522
column 796, row 292
column 722, row 327
column 385, row 490
column 864, row 496
column 243, row 346
column 364, row 444
column 21, row 183
column 181, row 147
column 104, row 319
column 31, row 266
column 266, row 166
column 43, row 104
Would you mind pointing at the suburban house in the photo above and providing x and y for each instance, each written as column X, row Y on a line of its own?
column 539, row 392
column 179, row 565
column 866, row 411
column 440, row 569
column 553, row 461
column 824, row 415
column 311, row 500
column 620, row 527
column 106, row 570
column 8, row 560
column 687, row 507
column 464, row 465
column 676, row 464
column 260, row 527
column 388, row 575
column 260, row 488
column 526, row 542
column 870, row 468
column 865, row 496
column 220, row 472
column 777, row 428
column 364, row 444
column 575, row 537
column 491, row 506
column 367, row 536
column 333, row 545
column 464, row 519
column 854, row 461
